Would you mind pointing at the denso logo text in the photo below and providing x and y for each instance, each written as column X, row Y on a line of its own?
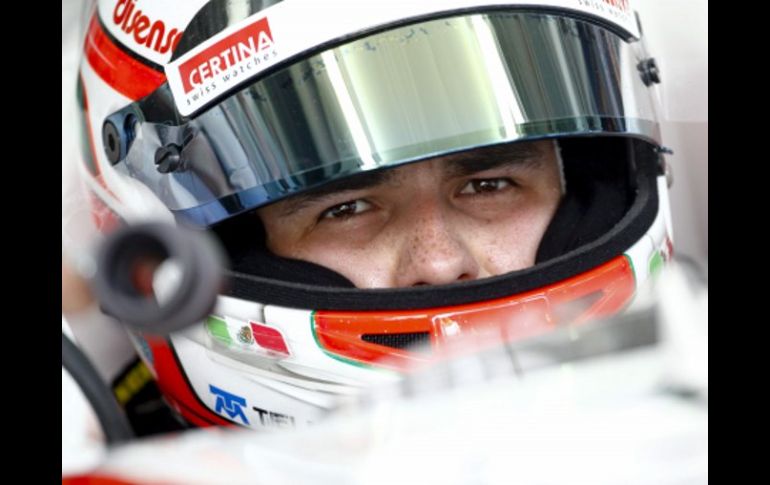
column 153, row 35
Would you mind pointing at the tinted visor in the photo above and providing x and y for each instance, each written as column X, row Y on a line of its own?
column 398, row 96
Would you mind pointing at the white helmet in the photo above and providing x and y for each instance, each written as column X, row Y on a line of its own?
column 202, row 112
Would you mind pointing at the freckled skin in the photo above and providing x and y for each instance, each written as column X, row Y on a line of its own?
column 426, row 227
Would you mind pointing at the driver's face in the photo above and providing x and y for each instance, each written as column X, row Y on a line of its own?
column 458, row 217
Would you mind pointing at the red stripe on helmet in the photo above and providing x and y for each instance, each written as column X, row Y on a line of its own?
column 122, row 72
column 174, row 385
column 600, row 292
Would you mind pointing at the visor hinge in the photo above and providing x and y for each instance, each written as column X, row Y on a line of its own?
column 117, row 135
column 664, row 168
column 168, row 159
column 649, row 71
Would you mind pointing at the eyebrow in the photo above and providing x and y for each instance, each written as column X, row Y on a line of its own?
column 361, row 181
column 457, row 165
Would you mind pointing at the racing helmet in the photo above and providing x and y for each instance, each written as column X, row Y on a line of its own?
column 201, row 113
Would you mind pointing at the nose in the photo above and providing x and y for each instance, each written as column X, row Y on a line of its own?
column 433, row 250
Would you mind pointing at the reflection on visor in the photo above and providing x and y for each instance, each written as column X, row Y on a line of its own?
column 407, row 94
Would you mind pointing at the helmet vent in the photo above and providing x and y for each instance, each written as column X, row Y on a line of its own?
column 398, row 340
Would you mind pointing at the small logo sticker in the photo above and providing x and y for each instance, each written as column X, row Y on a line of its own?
column 231, row 404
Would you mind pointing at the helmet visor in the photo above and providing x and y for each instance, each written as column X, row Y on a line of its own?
column 406, row 94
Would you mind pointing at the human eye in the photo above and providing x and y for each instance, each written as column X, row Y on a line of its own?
column 346, row 210
column 486, row 186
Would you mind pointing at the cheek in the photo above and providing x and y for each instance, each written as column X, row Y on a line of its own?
column 360, row 253
column 366, row 266
column 511, row 243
